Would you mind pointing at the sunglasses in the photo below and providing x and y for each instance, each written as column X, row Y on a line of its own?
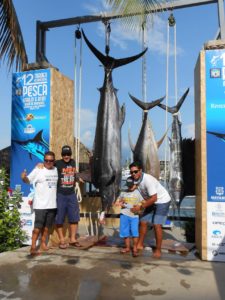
column 134, row 172
column 49, row 160
column 66, row 155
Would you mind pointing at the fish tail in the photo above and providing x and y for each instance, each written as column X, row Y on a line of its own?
column 108, row 61
column 176, row 108
column 146, row 106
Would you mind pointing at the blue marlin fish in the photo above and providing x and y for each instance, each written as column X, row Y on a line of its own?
column 218, row 135
column 146, row 148
column 176, row 182
column 36, row 146
column 106, row 160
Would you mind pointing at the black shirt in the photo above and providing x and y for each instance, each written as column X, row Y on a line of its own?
column 67, row 176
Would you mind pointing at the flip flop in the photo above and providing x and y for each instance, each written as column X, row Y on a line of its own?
column 135, row 254
column 62, row 246
column 124, row 251
column 75, row 244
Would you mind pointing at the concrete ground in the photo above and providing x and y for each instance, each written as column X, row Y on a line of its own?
column 103, row 273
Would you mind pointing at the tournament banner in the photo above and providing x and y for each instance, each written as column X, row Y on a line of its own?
column 29, row 131
column 215, row 145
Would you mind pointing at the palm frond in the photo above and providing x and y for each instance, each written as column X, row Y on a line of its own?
column 12, row 48
column 135, row 12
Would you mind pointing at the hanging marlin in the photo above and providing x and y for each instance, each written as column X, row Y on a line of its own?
column 106, row 161
column 176, row 183
column 146, row 147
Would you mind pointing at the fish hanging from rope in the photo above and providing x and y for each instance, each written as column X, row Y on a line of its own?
column 146, row 148
column 176, row 183
column 106, row 161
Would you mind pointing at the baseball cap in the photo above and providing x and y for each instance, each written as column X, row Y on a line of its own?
column 66, row 150
column 129, row 181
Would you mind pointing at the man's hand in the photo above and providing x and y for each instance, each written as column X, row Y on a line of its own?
column 24, row 176
column 135, row 209
column 40, row 166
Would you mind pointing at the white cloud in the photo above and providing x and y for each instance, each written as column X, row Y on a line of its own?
column 87, row 138
column 87, row 127
column 189, row 131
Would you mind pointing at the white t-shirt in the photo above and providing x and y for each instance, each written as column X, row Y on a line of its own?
column 131, row 199
column 45, row 184
column 149, row 186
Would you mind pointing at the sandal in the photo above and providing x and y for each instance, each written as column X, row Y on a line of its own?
column 62, row 246
column 135, row 254
column 75, row 244
column 124, row 251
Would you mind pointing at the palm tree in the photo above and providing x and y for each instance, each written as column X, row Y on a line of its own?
column 12, row 48
column 136, row 12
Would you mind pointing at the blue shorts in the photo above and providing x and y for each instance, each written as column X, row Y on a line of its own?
column 128, row 226
column 67, row 205
column 157, row 215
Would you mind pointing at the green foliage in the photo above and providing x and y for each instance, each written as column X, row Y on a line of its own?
column 11, row 234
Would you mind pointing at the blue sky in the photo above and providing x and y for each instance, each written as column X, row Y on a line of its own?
column 195, row 26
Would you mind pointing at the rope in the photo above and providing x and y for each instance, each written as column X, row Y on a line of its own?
column 166, row 115
column 144, row 63
column 77, row 106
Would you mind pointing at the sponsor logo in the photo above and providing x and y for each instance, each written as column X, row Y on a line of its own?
column 218, row 214
column 218, row 223
column 25, row 222
column 218, row 244
column 215, row 253
column 215, row 73
column 216, row 232
column 29, row 129
column 219, row 190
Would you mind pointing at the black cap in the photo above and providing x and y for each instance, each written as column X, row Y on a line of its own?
column 129, row 181
column 66, row 150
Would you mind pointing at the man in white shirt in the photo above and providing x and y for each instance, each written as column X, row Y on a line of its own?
column 44, row 203
column 156, row 205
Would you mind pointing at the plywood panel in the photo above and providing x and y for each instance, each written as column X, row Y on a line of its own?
column 62, row 112
column 201, row 174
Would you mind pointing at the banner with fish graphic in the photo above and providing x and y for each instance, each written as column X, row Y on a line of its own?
column 215, row 143
column 30, row 123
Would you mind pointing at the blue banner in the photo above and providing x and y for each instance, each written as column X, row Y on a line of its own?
column 30, row 123
column 215, row 124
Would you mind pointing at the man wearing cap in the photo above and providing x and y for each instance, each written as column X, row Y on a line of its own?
column 67, row 204
column 157, row 202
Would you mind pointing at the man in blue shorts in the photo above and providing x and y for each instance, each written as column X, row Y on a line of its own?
column 67, row 203
column 156, row 206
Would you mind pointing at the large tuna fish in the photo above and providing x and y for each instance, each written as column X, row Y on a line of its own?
column 176, row 183
column 106, row 161
column 146, row 148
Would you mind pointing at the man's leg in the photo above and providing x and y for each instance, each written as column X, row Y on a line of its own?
column 44, row 236
column 158, row 236
column 142, row 233
column 59, row 228
column 35, row 235
column 73, row 218
column 73, row 232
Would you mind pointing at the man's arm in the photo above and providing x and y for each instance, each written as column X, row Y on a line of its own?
column 24, row 177
column 148, row 202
